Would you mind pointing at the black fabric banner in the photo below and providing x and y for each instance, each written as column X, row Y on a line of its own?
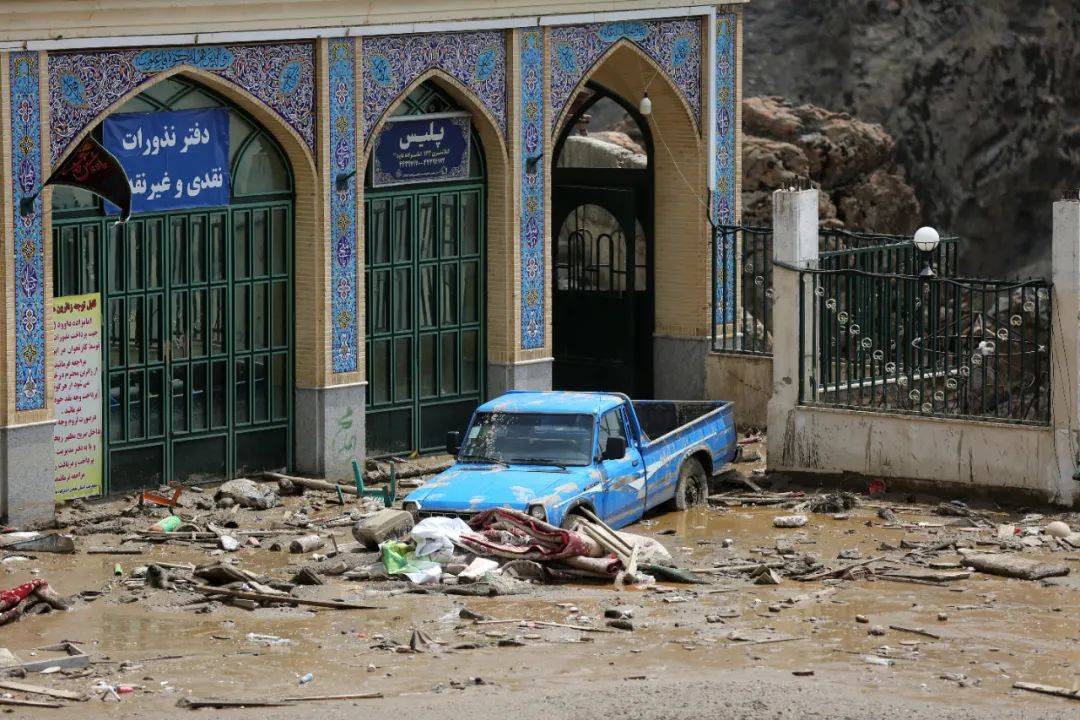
column 92, row 167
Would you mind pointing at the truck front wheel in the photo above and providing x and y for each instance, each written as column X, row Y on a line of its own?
column 693, row 487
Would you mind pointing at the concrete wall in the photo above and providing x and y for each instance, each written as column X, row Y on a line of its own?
column 746, row 380
column 965, row 457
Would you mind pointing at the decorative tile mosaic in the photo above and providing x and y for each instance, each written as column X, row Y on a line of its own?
column 675, row 45
column 531, row 77
column 392, row 62
column 343, row 267
column 82, row 85
column 28, row 243
column 723, row 200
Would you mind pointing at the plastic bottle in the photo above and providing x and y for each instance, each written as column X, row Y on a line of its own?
column 306, row 679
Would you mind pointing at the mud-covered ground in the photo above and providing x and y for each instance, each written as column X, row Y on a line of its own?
column 727, row 649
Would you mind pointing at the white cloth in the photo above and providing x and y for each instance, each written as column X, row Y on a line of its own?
column 436, row 535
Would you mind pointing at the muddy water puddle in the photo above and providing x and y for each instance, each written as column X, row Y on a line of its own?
column 997, row 631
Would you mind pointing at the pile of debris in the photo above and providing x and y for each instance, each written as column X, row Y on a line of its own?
column 500, row 551
column 934, row 553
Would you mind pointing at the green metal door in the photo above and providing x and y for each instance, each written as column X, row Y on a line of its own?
column 424, row 275
column 197, row 313
column 197, row 332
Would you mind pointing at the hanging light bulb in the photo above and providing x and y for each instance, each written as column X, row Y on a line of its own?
column 645, row 106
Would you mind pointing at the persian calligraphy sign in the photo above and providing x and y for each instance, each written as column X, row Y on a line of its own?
column 422, row 148
column 174, row 160
column 77, row 435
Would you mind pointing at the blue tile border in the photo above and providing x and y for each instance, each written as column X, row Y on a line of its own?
column 531, row 76
column 725, row 182
column 28, row 243
column 674, row 44
column 83, row 84
column 343, row 263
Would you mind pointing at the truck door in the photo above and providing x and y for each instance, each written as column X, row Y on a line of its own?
column 624, row 478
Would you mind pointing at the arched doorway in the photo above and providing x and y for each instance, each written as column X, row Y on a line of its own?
column 197, row 312
column 424, row 276
column 602, row 207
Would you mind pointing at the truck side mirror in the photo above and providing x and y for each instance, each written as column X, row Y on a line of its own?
column 453, row 442
column 616, row 449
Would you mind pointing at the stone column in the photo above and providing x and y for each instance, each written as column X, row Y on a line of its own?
column 519, row 318
column 1065, row 348
column 795, row 243
column 331, row 392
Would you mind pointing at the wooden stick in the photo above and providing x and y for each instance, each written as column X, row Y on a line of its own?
column 115, row 551
column 544, row 623
column 605, row 528
column 287, row 599
column 915, row 631
column 839, row 571
column 30, row 703
column 1048, row 690
column 763, row 642
column 346, row 696
column 40, row 690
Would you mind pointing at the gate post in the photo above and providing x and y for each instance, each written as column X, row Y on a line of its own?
column 795, row 243
column 1065, row 348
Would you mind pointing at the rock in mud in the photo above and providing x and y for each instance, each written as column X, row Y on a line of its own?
column 382, row 526
column 789, row 521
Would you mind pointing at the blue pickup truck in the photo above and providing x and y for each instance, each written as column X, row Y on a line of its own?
column 548, row 453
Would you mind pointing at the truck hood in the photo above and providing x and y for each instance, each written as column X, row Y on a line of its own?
column 470, row 488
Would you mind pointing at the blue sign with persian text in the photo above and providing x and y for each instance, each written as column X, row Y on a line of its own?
column 174, row 160
column 432, row 148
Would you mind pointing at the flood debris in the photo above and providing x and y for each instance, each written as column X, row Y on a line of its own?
column 23, row 599
column 1016, row 567
column 247, row 493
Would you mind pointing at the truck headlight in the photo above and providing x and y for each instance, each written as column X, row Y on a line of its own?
column 538, row 512
column 412, row 507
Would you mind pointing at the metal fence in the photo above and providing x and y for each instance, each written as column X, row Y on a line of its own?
column 938, row 346
column 742, row 276
column 742, row 290
column 877, row 253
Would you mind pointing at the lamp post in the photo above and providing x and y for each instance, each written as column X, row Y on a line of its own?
column 926, row 240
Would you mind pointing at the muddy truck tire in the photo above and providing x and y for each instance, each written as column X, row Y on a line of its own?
column 692, row 488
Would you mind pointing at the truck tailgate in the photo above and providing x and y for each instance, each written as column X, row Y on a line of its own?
column 677, row 429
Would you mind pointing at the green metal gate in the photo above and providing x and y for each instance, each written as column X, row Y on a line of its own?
column 425, row 305
column 197, row 314
column 197, row 332
column 424, row 270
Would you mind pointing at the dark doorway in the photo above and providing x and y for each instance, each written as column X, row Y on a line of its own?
column 602, row 207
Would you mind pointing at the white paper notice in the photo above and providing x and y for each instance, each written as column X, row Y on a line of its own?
column 77, row 393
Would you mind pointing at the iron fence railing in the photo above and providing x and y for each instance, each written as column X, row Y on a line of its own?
column 938, row 346
column 742, row 275
column 742, row 290
column 878, row 253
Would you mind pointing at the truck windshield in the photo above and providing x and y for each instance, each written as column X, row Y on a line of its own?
column 530, row 438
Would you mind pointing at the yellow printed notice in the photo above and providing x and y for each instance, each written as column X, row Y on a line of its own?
column 77, row 393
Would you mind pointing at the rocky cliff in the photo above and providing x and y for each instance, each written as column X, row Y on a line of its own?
column 982, row 98
column 851, row 161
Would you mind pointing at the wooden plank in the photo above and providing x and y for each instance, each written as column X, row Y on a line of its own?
column 30, row 703
column 1048, row 690
column 40, row 690
column 287, row 599
column 346, row 696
